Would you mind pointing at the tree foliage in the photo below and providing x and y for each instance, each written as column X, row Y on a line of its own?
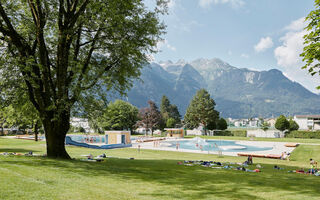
column 58, row 52
column 312, row 42
column 20, row 113
column 170, row 123
column 222, row 124
column 119, row 115
column 282, row 123
column 168, row 111
column 265, row 126
column 293, row 125
column 201, row 110
column 150, row 117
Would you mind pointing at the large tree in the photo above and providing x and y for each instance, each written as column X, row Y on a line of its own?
column 57, row 50
column 293, row 125
column 150, row 117
column 282, row 123
column 120, row 115
column 201, row 111
column 169, row 111
column 310, row 53
column 222, row 124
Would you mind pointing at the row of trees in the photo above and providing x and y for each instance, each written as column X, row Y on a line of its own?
column 121, row 115
column 283, row 124
column 201, row 112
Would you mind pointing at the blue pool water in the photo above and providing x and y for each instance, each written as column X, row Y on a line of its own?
column 85, row 138
column 215, row 145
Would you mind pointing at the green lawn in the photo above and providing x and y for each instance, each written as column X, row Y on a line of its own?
column 151, row 175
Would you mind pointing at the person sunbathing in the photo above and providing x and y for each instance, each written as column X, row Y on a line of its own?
column 313, row 166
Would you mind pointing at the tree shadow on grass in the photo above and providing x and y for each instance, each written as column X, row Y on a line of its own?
column 16, row 150
column 194, row 182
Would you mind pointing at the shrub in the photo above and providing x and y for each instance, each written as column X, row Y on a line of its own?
column 223, row 133
column 304, row 134
column 82, row 130
column 239, row 133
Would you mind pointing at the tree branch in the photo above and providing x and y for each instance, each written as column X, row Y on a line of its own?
column 78, row 13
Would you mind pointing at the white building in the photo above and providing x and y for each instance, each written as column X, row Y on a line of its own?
column 251, row 123
column 308, row 122
column 81, row 122
column 142, row 130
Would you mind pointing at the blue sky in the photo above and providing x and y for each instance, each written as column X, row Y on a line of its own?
column 254, row 34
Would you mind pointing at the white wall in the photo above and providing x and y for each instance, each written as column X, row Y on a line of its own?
column 302, row 122
column 195, row 132
column 267, row 134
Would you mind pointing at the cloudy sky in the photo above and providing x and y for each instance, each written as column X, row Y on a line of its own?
column 254, row 34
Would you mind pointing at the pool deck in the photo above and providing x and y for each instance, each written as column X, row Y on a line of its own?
column 277, row 147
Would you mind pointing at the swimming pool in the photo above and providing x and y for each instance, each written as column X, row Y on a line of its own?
column 88, row 138
column 214, row 145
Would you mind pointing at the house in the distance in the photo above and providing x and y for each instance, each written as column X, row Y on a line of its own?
column 271, row 121
column 81, row 122
column 308, row 122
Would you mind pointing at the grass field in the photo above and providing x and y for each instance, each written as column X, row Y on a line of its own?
column 151, row 175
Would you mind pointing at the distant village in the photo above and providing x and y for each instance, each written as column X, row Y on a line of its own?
column 305, row 122
column 252, row 125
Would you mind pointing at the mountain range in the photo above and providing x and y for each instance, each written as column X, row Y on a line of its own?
column 238, row 92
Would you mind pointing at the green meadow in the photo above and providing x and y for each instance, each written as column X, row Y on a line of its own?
column 150, row 175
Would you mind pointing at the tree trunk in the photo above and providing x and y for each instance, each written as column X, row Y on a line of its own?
column 2, row 131
column 55, row 132
column 36, row 131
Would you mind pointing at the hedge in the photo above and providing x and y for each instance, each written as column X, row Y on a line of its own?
column 223, row 133
column 238, row 133
column 303, row 134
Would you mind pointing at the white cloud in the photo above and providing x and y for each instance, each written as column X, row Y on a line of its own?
column 165, row 43
column 288, row 55
column 171, row 4
column 182, row 26
column 233, row 3
column 292, row 45
column 296, row 25
column 244, row 55
column 264, row 43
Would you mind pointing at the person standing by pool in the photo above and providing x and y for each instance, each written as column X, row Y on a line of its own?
column 249, row 161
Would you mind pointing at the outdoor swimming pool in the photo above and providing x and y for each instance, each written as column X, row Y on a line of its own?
column 88, row 138
column 214, row 145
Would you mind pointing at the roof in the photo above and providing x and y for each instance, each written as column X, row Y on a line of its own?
column 307, row 116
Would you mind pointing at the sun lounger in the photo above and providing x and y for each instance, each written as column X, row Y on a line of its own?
column 273, row 156
column 253, row 155
column 292, row 145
